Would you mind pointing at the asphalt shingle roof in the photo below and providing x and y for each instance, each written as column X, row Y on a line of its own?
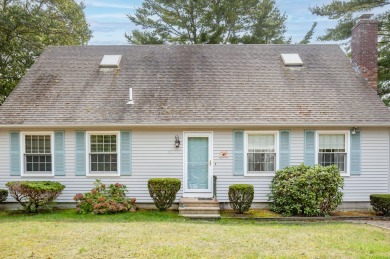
column 194, row 84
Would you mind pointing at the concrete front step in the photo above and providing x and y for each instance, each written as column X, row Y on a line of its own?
column 199, row 208
column 196, row 202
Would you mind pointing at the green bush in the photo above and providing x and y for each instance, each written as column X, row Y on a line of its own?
column 241, row 197
column 306, row 190
column 104, row 199
column 163, row 191
column 35, row 194
column 381, row 203
column 3, row 195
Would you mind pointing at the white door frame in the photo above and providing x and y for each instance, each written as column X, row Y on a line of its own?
column 201, row 193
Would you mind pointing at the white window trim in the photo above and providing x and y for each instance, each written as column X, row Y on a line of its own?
column 23, row 153
column 276, row 133
column 347, row 146
column 88, row 148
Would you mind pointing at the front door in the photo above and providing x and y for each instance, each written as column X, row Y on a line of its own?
column 198, row 164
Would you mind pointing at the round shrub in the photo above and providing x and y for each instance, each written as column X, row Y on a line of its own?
column 381, row 203
column 3, row 195
column 163, row 191
column 35, row 194
column 306, row 190
column 105, row 199
column 241, row 197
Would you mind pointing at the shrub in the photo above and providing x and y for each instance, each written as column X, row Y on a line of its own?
column 3, row 195
column 381, row 203
column 163, row 191
column 104, row 199
column 306, row 190
column 35, row 194
column 241, row 197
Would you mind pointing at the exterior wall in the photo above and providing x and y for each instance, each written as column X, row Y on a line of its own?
column 154, row 155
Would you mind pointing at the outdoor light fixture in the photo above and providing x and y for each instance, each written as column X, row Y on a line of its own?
column 177, row 141
column 354, row 130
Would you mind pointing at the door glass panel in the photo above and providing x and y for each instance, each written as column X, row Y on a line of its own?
column 198, row 156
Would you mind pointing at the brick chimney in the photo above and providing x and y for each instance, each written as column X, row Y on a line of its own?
column 364, row 48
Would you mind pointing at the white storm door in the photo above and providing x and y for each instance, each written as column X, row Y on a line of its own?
column 198, row 164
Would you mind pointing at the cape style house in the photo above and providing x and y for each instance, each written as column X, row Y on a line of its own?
column 210, row 115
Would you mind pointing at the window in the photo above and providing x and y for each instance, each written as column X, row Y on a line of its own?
column 37, row 153
column 103, row 154
column 261, row 153
column 332, row 150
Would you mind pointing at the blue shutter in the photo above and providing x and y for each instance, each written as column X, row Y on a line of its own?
column 81, row 153
column 355, row 153
column 15, row 153
column 125, row 153
column 238, row 152
column 59, row 153
column 310, row 149
column 284, row 148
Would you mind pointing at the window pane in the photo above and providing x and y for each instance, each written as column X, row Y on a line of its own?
column 47, row 144
column 102, row 158
column 41, row 144
column 261, row 156
column 28, row 144
column 261, row 162
column 38, row 149
column 338, row 159
column 34, row 144
column 99, row 138
column 107, row 148
column 261, row 143
column 332, row 142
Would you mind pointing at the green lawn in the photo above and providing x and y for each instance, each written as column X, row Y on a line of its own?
column 65, row 234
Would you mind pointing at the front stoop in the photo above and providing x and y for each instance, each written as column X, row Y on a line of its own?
column 197, row 208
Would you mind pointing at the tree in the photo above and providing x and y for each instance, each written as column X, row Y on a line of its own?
column 208, row 22
column 347, row 12
column 309, row 34
column 28, row 26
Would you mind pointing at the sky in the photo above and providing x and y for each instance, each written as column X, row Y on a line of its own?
column 109, row 22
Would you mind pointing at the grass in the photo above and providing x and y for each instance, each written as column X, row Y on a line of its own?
column 253, row 213
column 150, row 234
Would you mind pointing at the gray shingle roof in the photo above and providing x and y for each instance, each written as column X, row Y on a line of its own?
column 196, row 84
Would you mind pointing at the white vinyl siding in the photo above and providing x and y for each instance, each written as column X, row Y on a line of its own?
column 154, row 155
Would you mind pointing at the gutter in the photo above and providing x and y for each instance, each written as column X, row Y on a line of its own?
column 196, row 125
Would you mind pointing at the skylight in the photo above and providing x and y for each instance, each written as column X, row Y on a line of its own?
column 110, row 61
column 291, row 60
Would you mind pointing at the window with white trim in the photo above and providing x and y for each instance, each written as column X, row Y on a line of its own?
column 37, row 154
column 261, row 153
column 332, row 150
column 103, row 156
